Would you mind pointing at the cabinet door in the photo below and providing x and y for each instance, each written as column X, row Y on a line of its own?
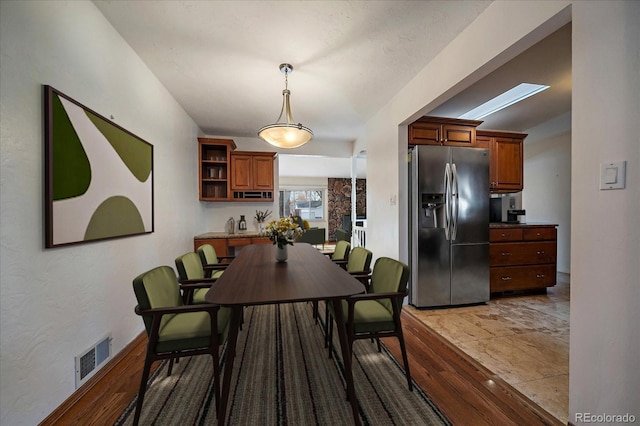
column 506, row 164
column 262, row 173
column 455, row 135
column 425, row 134
column 241, row 166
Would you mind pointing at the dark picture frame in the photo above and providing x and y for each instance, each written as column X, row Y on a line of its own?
column 98, row 176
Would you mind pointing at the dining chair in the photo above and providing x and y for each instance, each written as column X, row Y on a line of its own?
column 341, row 251
column 340, row 255
column 376, row 314
column 193, row 277
column 357, row 265
column 174, row 329
column 213, row 264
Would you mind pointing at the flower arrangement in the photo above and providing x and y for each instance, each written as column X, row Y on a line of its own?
column 283, row 231
column 261, row 216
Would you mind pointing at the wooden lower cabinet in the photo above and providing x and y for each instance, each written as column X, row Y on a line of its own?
column 522, row 258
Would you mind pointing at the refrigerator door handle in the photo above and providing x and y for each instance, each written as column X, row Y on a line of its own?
column 447, row 201
column 454, row 202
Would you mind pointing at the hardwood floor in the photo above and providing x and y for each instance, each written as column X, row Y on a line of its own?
column 464, row 390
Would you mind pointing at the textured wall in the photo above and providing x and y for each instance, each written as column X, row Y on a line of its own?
column 339, row 201
column 56, row 303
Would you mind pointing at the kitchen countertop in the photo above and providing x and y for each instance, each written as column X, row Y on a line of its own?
column 214, row 235
column 499, row 225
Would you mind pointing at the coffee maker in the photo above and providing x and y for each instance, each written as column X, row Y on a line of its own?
column 514, row 216
column 506, row 208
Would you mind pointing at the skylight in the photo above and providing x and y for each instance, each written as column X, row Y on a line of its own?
column 510, row 97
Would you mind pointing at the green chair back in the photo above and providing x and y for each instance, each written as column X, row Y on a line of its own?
column 208, row 254
column 341, row 251
column 389, row 276
column 157, row 288
column 359, row 260
column 190, row 266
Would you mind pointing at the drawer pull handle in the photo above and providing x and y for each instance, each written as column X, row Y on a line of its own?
column 506, row 253
column 504, row 235
column 506, row 278
column 539, row 275
column 539, row 234
column 540, row 251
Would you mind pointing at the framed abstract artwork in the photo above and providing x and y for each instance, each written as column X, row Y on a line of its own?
column 98, row 176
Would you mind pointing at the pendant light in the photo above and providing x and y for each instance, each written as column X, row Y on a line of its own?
column 285, row 134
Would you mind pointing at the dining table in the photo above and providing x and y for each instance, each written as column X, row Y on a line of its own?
column 254, row 277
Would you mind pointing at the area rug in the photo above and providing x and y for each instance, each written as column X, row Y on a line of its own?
column 286, row 379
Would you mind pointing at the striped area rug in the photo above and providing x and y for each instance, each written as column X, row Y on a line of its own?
column 286, row 379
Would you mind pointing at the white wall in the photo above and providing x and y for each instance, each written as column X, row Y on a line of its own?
column 547, row 181
column 55, row 303
column 605, row 237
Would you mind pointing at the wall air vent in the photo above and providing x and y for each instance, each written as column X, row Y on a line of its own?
column 89, row 361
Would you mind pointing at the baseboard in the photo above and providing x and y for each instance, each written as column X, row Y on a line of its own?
column 63, row 408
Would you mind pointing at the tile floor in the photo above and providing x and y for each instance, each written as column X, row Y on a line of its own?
column 524, row 339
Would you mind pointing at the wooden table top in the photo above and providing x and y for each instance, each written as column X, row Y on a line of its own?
column 255, row 278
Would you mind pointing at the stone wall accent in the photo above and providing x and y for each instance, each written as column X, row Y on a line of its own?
column 339, row 202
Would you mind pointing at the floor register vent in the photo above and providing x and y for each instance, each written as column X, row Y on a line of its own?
column 89, row 361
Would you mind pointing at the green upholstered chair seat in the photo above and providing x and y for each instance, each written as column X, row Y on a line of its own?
column 369, row 316
column 190, row 330
column 199, row 294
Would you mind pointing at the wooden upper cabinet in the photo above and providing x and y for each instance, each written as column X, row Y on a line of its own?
column 228, row 175
column 252, row 171
column 252, row 175
column 443, row 131
column 506, row 168
column 213, row 168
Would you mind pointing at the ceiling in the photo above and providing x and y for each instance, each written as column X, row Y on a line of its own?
column 220, row 59
column 548, row 62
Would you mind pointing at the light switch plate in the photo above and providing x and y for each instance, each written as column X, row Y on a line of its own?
column 613, row 175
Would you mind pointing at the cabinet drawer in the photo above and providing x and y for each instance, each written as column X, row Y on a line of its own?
column 504, row 254
column 533, row 234
column 235, row 242
column 261, row 240
column 522, row 277
column 505, row 234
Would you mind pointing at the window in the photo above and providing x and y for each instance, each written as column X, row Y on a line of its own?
column 306, row 203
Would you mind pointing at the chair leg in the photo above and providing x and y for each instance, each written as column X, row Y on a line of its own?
column 330, row 335
column 143, row 388
column 170, row 367
column 315, row 311
column 216, row 379
column 378, row 342
column 404, row 359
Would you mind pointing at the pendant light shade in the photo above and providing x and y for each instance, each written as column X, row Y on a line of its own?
column 285, row 134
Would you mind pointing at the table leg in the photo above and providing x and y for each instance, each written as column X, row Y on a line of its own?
column 234, row 325
column 346, row 358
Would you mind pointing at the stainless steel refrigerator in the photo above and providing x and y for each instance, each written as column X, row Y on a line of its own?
column 449, row 226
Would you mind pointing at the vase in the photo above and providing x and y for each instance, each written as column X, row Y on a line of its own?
column 260, row 229
column 281, row 254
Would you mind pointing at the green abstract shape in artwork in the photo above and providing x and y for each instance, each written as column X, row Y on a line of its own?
column 71, row 168
column 135, row 153
column 116, row 216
